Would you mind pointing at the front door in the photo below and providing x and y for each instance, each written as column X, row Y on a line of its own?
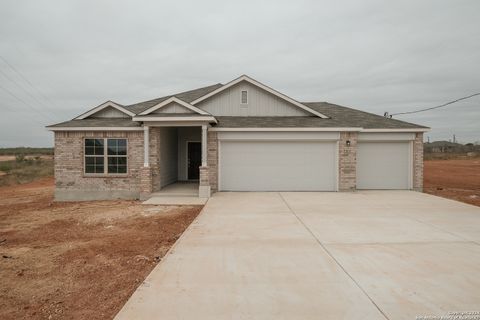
column 194, row 159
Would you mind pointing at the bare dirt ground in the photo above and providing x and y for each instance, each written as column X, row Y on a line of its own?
column 78, row 260
column 454, row 179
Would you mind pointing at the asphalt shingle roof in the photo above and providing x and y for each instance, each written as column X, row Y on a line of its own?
column 187, row 96
column 339, row 116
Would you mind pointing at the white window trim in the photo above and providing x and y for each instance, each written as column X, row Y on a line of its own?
column 241, row 97
column 103, row 106
column 105, row 159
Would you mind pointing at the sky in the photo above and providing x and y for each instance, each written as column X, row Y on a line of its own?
column 59, row 58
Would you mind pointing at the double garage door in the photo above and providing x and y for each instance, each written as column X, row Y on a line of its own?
column 302, row 165
column 277, row 166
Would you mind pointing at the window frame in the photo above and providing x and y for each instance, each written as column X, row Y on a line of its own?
column 241, row 97
column 105, row 158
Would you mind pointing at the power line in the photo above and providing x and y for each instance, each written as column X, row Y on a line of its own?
column 436, row 107
column 24, row 102
column 22, row 88
column 26, row 80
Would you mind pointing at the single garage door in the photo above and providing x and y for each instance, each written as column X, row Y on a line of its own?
column 277, row 166
column 383, row 165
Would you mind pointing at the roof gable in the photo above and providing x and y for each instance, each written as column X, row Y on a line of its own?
column 105, row 105
column 177, row 101
column 261, row 86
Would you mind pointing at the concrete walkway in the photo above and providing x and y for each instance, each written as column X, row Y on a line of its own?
column 363, row 255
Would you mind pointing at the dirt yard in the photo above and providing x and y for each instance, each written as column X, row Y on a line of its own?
column 78, row 260
column 454, row 179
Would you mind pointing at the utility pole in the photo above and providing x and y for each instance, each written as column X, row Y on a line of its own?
column 454, row 141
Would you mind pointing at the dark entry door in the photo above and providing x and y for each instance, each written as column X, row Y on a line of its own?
column 194, row 151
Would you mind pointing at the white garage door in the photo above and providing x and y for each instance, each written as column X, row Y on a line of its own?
column 383, row 165
column 277, row 166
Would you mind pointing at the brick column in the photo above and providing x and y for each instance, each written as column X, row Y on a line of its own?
column 204, row 188
column 145, row 182
column 347, row 161
column 212, row 160
column 418, row 162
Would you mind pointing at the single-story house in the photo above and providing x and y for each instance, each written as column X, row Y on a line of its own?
column 238, row 136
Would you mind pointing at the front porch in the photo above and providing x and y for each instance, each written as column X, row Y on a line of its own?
column 175, row 162
column 177, row 193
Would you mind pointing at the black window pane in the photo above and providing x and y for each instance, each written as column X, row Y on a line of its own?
column 89, row 150
column 89, row 161
column 89, row 169
column 99, row 169
column 98, row 150
column 112, row 151
column 89, row 142
column 122, row 150
column 122, row 142
column 122, row 169
column 112, row 146
column 99, row 161
column 122, row 161
column 99, row 142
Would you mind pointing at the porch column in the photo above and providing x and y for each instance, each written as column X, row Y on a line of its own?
column 204, row 187
column 146, row 138
column 146, row 172
column 204, row 146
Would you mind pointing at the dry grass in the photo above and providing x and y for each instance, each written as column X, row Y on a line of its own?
column 24, row 170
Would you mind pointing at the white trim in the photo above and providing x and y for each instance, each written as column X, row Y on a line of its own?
column 95, row 129
column 176, row 100
column 169, row 119
column 397, row 130
column 262, row 86
column 410, row 165
column 337, row 166
column 146, row 146
column 104, row 105
column 285, row 129
column 204, row 145
column 350, row 129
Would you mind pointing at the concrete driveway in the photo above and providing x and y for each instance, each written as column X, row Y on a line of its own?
column 362, row 255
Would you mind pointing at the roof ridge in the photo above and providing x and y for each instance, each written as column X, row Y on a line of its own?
column 174, row 95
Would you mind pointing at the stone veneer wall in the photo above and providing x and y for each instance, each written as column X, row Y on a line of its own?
column 347, row 161
column 71, row 182
column 418, row 162
column 212, row 160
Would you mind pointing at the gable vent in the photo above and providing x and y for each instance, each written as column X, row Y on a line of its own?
column 244, row 98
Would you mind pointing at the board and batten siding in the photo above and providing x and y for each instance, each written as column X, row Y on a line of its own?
column 260, row 103
column 173, row 107
column 109, row 112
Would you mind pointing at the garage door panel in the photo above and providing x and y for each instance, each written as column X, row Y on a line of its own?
column 383, row 165
column 277, row 166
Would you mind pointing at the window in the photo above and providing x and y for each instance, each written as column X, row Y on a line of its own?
column 106, row 156
column 244, row 98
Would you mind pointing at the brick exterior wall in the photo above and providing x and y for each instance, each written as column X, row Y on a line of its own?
column 69, row 164
column 212, row 160
column 204, row 176
column 347, row 161
column 418, row 162
column 154, row 158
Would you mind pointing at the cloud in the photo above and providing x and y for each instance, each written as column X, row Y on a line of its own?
column 373, row 55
